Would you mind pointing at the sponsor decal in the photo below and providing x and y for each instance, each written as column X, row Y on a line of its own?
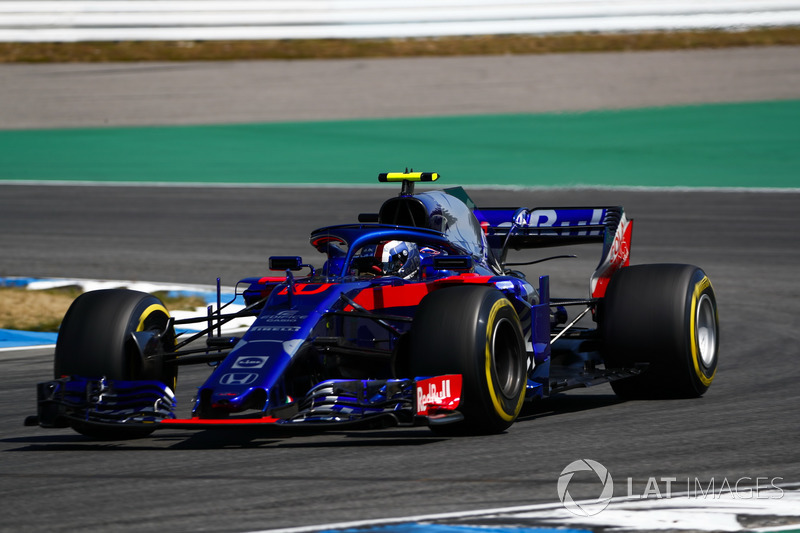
column 238, row 379
column 618, row 256
column 284, row 316
column 549, row 218
column 620, row 249
column 250, row 361
column 441, row 393
column 287, row 329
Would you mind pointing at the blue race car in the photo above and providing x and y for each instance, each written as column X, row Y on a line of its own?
column 415, row 318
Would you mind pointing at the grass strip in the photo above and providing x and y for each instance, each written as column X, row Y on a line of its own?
column 98, row 52
column 42, row 310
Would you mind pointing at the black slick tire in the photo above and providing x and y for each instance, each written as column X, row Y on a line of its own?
column 474, row 331
column 664, row 315
column 95, row 341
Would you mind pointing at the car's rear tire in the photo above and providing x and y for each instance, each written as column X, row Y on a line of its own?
column 664, row 315
column 476, row 332
column 95, row 340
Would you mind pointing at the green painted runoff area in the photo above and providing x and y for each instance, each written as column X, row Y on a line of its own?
column 719, row 145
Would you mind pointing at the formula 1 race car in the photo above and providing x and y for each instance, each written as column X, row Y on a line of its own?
column 414, row 318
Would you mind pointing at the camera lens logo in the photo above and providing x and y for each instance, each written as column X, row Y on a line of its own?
column 585, row 508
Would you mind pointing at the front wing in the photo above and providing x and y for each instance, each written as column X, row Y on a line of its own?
column 331, row 405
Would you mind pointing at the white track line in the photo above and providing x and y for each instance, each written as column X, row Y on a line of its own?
column 560, row 517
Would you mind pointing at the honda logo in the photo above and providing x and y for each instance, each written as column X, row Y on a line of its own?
column 238, row 379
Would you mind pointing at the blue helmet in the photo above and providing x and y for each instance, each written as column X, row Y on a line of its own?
column 400, row 258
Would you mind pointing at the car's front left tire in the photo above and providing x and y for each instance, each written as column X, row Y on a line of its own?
column 474, row 331
column 96, row 340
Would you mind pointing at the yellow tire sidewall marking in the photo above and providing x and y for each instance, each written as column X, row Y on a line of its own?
column 699, row 287
column 147, row 312
column 143, row 317
column 498, row 405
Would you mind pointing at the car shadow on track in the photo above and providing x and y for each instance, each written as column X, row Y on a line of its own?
column 207, row 440
column 566, row 403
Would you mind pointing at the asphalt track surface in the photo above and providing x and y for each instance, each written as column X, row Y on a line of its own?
column 745, row 426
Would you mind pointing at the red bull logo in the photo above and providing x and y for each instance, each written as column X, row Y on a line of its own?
column 441, row 393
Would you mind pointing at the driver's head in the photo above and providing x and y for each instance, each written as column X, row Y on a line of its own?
column 400, row 258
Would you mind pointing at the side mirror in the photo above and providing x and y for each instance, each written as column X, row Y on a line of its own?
column 442, row 264
column 459, row 263
column 281, row 262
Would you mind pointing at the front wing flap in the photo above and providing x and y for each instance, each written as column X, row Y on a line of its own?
column 103, row 401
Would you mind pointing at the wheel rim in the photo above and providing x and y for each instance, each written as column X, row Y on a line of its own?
column 706, row 333
column 505, row 358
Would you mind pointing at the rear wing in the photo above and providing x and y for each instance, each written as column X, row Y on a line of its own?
column 541, row 227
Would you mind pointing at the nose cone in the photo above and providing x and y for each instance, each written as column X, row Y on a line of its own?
column 221, row 403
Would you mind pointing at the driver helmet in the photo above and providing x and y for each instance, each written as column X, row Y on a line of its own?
column 400, row 258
